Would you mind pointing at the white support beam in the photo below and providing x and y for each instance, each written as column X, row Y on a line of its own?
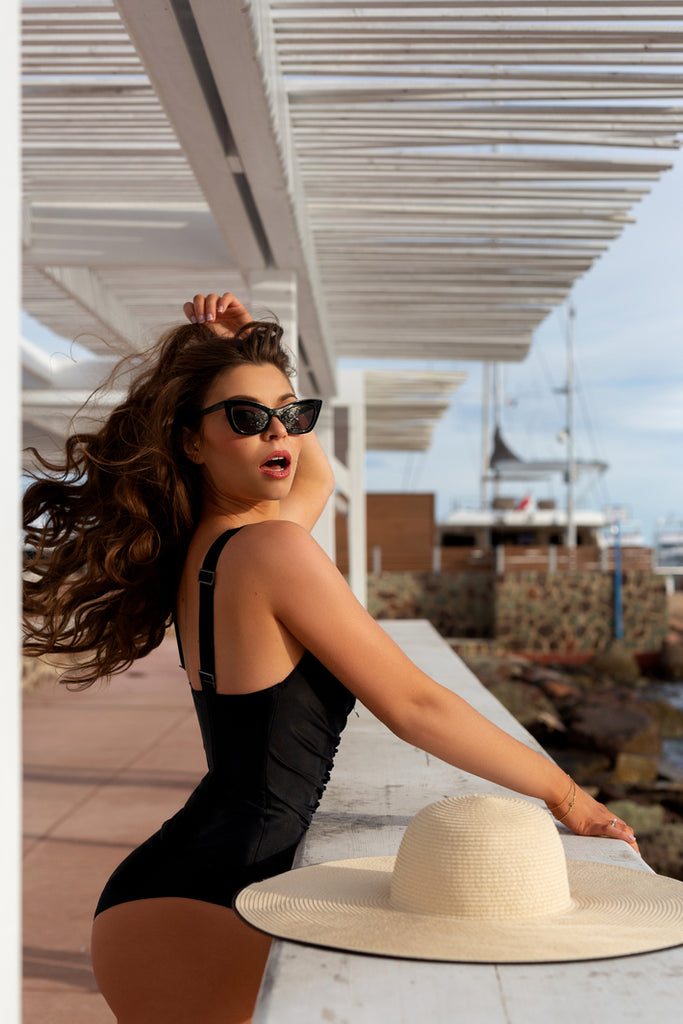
column 352, row 395
column 203, row 60
column 86, row 289
column 36, row 362
column 68, row 399
column 61, row 373
column 274, row 293
column 342, row 476
column 205, row 139
column 253, row 102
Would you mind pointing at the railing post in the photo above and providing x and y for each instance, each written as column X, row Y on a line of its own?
column 377, row 559
column 500, row 559
column 618, row 608
column 436, row 558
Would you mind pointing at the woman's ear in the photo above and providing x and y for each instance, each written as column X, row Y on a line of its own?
column 191, row 444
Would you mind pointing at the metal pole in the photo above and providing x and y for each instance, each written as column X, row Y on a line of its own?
column 485, row 434
column 497, row 411
column 571, row 463
column 618, row 605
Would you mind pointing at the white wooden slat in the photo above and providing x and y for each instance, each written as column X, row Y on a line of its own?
column 388, row 177
column 528, row 11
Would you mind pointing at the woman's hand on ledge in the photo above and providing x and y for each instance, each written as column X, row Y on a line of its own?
column 585, row 816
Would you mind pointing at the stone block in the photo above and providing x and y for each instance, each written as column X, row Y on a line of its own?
column 632, row 769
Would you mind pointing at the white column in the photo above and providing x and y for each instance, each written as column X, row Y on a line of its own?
column 10, row 207
column 273, row 292
column 352, row 395
column 324, row 529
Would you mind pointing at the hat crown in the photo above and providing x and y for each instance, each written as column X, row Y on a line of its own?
column 481, row 856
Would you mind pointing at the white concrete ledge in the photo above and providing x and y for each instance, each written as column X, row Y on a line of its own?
column 377, row 785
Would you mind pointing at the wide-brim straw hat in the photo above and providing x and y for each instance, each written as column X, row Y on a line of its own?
column 480, row 879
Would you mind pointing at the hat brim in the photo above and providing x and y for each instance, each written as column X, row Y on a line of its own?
column 615, row 911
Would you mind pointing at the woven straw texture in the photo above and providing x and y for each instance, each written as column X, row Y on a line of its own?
column 477, row 879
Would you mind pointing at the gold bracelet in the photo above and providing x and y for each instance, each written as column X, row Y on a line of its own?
column 571, row 783
column 571, row 806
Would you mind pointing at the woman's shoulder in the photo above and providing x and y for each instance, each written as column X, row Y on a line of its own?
column 274, row 536
column 276, row 556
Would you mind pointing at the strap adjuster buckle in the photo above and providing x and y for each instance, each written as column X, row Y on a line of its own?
column 207, row 576
column 208, row 678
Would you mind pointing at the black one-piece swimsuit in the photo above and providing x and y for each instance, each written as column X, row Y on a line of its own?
column 269, row 756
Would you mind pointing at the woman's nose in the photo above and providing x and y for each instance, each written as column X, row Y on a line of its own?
column 275, row 428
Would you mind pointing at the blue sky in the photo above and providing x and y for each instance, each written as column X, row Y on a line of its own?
column 628, row 343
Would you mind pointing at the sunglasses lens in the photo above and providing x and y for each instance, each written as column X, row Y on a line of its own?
column 250, row 418
column 247, row 419
column 299, row 418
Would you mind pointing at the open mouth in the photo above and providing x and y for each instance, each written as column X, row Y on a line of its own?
column 279, row 462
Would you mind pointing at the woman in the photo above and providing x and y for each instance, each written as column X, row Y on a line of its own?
column 195, row 501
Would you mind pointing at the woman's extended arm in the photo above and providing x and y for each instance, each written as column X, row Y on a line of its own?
column 314, row 481
column 310, row 597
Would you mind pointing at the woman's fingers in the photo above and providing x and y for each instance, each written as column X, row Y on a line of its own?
column 618, row 829
column 231, row 311
column 587, row 817
column 224, row 310
column 195, row 310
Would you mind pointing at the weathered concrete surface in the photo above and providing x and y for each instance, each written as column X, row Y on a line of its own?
column 378, row 784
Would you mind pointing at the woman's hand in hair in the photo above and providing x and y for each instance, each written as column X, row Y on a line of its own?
column 224, row 314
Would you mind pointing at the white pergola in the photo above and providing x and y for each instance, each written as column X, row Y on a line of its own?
column 412, row 180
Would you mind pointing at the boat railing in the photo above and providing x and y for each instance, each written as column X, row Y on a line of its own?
column 551, row 558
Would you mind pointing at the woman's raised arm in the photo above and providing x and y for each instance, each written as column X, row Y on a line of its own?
column 312, row 487
column 314, row 480
column 310, row 597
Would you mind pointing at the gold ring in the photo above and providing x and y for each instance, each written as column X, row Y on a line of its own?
column 612, row 823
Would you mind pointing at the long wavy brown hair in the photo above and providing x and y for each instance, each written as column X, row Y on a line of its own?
column 109, row 524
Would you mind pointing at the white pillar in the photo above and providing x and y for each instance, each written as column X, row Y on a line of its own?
column 352, row 395
column 273, row 292
column 324, row 529
column 10, row 207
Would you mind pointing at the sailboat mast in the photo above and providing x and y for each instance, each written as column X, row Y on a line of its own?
column 497, row 413
column 571, row 457
column 485, row 435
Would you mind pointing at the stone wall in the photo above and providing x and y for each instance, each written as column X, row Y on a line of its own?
column 537, row 611
column 527, row 611
column 456, row 605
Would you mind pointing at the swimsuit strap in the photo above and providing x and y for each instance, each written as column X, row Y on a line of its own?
column 207, row 579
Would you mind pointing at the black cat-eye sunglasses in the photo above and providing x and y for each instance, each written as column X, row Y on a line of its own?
column 252, row 418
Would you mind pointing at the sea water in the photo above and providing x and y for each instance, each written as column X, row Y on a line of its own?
column 672, row 693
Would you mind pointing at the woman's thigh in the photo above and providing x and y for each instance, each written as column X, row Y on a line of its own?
column 179, row 961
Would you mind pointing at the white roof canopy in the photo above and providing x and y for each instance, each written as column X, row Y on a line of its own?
column 403, row 407
column 435, row 175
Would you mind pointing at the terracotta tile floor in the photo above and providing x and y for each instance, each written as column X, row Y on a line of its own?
column 103, row 769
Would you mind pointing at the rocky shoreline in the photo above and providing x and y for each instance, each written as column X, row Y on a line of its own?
column 603, row 724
